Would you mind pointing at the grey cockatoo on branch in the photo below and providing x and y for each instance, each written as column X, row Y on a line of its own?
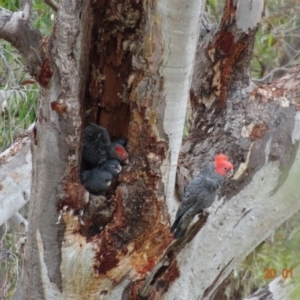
column 201, row 192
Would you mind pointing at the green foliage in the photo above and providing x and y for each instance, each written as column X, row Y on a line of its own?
column 17, row 112
column 9, row 264
column 18, row 105
column 277, row 41
column 279, row 252
column 215, row 8
column 43, row 17
column 17, row 102
column 12, row 5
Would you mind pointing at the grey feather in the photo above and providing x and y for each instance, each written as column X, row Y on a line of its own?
column 96, row 143
column 96, row 180
column 199, row 195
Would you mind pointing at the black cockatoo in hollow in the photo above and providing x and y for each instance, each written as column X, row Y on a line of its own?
column 97, row 146
column 96, row 180
column 112, row 166
column 117, row 151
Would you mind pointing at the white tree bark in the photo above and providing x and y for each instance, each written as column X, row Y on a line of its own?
column 231, row 231
column 180, row 33
column 15, row 178
column 18, row 223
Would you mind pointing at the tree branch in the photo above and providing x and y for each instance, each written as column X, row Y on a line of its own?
column 52, row 4
column 18, row 223
column 17, row 30
column 26, row 8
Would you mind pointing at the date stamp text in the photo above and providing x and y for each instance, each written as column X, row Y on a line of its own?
column 272, row 273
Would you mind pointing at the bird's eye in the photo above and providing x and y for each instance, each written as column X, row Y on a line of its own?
column 225, row 168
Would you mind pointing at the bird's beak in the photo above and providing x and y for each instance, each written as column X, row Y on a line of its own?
column 108, row 183
column 119, row 169
column 229, row 173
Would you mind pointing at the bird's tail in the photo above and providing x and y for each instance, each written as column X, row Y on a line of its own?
column 179, row 233
column 178, row 228
column 181, row 224
column 175, row 225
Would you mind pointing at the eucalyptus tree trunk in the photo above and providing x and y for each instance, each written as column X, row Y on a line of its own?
column 131, row 67
column 127, row 66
